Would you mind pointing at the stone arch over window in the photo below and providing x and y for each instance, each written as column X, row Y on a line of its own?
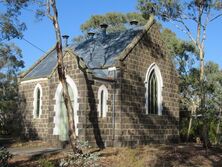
column 102, row 97
column 37, row 103
column 154, row 87
column 60, row 118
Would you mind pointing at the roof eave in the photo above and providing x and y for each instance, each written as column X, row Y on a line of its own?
column 37, row 62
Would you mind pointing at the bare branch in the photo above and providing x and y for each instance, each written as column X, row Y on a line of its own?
column 186, row 31
column 48, row 13
column 214, row 18
column 205, row 28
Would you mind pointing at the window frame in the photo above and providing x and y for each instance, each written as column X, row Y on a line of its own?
column 37, row 102
column 102, row 99
column 154, row 69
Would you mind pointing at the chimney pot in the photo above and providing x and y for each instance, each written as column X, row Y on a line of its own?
column 134, row 22
column 91, row 34
column 103, row 27
column 65, row 37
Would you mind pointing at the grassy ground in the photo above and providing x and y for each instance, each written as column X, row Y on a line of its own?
column 142, row 156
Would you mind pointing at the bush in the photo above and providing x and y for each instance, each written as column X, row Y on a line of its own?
column 46, row 163
column 4, row 157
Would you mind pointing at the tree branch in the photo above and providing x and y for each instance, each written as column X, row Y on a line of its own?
column 187, row 31
column 48, row 13
column 214, row 18
column 205, row 28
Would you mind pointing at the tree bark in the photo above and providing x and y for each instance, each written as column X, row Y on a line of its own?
column 189, row 127
column 62, row 79
column 218, row 129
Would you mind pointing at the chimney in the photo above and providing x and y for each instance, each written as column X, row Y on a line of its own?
column 133, row 23
column 65, row 38
column 91, row 34
column 103, row 28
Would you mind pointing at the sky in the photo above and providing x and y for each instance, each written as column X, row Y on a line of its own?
column 72, row 13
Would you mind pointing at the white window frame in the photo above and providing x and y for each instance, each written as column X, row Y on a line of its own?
column 157, row 72
column 38, row 86
column 57, row 98
column 105, row 99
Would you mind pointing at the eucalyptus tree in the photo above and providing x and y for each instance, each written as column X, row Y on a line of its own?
column 199, row 12
column 52, row 13
column 185, row 15
column 10, row 58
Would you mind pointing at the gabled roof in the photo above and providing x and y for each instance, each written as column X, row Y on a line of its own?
column 43, row 67
column 98, row 53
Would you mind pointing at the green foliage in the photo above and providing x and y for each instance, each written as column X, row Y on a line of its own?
column 116, row 22
column 4, row 157
column 46, row 163
column 213, row 95
column 168, row 9
column 10, row 60
column 10, row 26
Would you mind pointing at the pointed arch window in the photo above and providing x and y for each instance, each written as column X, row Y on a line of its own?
column 102, row 97
column 60, row 118
column 37, row 103
column 154, row 85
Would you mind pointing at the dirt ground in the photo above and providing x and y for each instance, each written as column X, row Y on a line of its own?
column 182, row 155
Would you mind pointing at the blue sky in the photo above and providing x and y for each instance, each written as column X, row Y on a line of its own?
column 72, row 13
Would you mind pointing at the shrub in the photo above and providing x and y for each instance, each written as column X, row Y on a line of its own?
column 46, row 163
column 4, row 157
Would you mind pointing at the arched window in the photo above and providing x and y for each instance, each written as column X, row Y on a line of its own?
column 37, row 103
column 60, row 118
column 63, row 125
column 102, row 97
column 154, row 86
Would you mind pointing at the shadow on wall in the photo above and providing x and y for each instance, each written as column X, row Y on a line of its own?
column 141, row 128
column 93, row 115
column 17, row 126
column 27, row 131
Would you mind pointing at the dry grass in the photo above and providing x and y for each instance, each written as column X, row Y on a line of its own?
column 146, row 156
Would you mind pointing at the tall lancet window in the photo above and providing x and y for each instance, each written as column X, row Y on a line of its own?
column 37, row 103
column 154, row 86
column 102, row 97
column 152, row 92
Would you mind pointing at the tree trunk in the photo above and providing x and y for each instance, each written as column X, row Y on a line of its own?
column 201, row 65
column 62, row 79
column 218, row 129
column 189, row 127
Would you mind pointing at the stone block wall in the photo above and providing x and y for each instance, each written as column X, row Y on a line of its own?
column 34, row 128
column 132, row 125
column 137, row 126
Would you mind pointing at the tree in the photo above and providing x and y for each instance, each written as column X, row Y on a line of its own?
column 116, row 22
column 184, row 55
column 52, row 14
column 201, row 12
column 10, row 60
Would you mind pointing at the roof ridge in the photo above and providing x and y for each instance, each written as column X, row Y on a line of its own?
column 38, row 61
column 122, row 55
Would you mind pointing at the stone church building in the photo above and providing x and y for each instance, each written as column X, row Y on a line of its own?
column 123, row 87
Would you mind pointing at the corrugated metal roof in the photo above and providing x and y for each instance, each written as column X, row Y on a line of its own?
column 96, row 52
